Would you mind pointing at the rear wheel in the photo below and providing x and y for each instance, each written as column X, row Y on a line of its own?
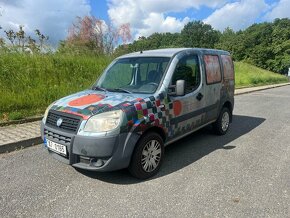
column 222, row 124
column 147, row 157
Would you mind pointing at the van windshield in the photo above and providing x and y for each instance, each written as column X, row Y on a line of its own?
column 134, row 75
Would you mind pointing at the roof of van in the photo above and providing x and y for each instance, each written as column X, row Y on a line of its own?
column 169, row 52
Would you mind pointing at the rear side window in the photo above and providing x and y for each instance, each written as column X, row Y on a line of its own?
column 228, row 67
column 212, row 68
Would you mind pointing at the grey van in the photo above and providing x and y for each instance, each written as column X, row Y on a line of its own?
column 142, row 102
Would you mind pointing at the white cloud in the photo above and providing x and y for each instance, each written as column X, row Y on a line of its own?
column 149, row 16
column 128, row 11
column 160, row 6
column 280, row 10
column 237, row 15
column 53, row 17
column 156, row 22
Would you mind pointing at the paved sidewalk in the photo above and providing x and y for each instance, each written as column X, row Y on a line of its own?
column 19, row 136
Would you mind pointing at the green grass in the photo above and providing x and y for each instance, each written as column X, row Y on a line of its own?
column 248, row 75
column 28, row 84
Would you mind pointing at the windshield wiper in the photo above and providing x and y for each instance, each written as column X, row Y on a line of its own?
column 99, row 88
column 121, row 89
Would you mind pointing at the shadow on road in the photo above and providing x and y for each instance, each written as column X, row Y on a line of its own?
column 187, row 150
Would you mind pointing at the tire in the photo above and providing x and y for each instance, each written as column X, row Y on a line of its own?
column 147, row 157
column 222, row 124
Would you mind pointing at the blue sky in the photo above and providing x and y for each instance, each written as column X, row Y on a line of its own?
column 145, row 17
column 100, row 9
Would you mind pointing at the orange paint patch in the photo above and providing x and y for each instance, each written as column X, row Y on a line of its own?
column 177, row 107
column 88, row 99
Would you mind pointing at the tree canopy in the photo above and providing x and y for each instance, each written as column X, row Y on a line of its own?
column 265, row 45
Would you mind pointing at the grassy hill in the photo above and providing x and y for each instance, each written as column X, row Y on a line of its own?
column 28, row 84
column 248, row 75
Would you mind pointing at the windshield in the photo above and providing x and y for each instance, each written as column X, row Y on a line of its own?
column 134, row 75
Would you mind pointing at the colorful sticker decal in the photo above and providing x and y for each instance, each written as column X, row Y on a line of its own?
column 141, row 114
column 212, row 67
column 177, row 107
column 85, row 100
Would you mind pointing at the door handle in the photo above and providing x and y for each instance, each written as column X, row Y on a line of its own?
column 199, row 96
column 162, row 107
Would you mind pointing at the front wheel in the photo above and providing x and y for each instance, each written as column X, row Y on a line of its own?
column 222, row 124
column 147, row 157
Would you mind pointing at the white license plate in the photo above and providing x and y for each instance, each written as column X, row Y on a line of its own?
column 56, row 147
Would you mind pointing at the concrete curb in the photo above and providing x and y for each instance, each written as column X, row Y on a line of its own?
column 26, row 120
column 37, row 140
column 20, row 145
column 259, row 88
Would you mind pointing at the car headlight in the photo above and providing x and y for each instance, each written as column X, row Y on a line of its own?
column 104, row 122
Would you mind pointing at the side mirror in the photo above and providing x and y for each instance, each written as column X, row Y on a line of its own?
column 180, row 87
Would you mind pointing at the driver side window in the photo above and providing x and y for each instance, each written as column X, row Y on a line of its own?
column 188, row 69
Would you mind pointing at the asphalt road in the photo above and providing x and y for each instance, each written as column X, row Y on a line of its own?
column 243, row 174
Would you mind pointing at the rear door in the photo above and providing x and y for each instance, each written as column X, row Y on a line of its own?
column 229, row 76
column 213, row 80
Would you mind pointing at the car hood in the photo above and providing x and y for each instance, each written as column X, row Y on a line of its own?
column 91, row 102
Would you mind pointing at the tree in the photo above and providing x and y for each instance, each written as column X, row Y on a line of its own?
column 265, row 45
column 227, row 41
column 19, row 41
column 89, row 34
column 281, row 46
column 154, row 41
column 199, row 34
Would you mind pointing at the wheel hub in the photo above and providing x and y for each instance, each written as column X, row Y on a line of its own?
column 225, row 121
column 151, row 155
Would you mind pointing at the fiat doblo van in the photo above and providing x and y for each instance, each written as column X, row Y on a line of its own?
column 142, row 102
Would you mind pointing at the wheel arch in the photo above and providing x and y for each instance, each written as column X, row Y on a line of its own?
column 156, row 129
column 135, row 166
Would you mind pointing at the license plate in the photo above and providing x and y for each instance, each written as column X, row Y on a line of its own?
column 56, row 147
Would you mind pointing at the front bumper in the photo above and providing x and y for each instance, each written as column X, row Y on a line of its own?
column 92, row 153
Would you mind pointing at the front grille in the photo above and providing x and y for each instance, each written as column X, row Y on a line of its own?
column 64, row 140
column 69, row 122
